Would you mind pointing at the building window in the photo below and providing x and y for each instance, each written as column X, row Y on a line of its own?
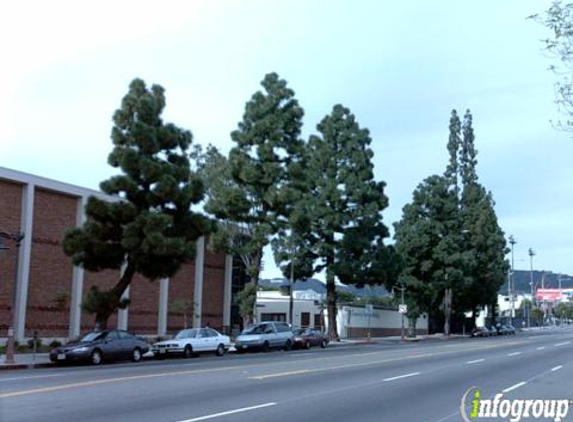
column 273, row 317
column 305, row 319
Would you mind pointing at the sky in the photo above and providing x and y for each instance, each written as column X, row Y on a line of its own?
column 401, row 67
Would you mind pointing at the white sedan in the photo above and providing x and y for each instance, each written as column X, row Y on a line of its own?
column 193, row 341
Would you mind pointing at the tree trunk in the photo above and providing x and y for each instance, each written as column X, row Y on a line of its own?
column 103, row 315
column 331, row 298
column 255, row 280
column 412, row 327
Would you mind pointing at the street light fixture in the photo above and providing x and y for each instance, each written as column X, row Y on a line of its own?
column 16, row 237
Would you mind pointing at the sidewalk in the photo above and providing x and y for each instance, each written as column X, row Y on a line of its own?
column 27, row 360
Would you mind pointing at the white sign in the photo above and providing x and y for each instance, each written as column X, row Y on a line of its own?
column 403, row 308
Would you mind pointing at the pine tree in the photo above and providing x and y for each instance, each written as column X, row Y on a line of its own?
column 150, row 229
column 254, row 204
column 343, row 205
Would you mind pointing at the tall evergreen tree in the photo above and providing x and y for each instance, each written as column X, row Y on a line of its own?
column 428, row 243
column 267, row 154
column 484, row 239
column 150, row 229
column 344, row 204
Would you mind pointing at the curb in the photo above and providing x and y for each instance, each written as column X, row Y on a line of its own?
column 26, row 366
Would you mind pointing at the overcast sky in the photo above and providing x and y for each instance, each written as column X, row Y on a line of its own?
column 399, row 66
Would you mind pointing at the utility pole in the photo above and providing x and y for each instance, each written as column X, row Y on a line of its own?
column 511, row 286
column 531, row 253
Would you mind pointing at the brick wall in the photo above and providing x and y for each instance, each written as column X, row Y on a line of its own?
column 181, row 288
column 143, row 308
column 50, row 268
column 10, row 210
column 213, row 290
column 104, row 280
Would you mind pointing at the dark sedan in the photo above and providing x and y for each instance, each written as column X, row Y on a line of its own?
column 305, row 338
column 97, row 346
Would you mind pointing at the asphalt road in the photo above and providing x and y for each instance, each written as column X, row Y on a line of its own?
column 382, row 382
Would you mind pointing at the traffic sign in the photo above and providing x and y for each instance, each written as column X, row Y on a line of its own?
column 403, row 308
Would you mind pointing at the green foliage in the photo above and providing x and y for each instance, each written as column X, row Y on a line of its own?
column 559, row 20
column 449, row 238
column 150, row 229
column 336, row 223
column 345, row 297
column 246, row 299
column 55, row 343
column 250, row 193
column 564, row 310
column 537, row 314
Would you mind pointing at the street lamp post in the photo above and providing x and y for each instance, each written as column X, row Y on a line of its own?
column 531, row 253
column 511, row 285
column 291, row 301
column 17, row 238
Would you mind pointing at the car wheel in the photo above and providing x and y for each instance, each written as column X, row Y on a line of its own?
column 265, row 347
column 96, row 357
column 288, row 345
column 220, row 350
column 188, row 352
column 307, row 345
column 323, row 344
column 136, row 356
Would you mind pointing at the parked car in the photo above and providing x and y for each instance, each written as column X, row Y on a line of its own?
column 510, row 329
column 264, row 336
column 492, row 330
column 480, row 332
column 192, row 341
column 98, row 346
column 501, row 329
column 305, row 338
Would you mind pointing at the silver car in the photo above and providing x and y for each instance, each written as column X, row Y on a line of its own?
column 264, row 336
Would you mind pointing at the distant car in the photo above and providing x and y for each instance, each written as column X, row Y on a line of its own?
column 305, row 338
column 480, row 332
column 510, row 329
column 192, row 341
column 492, row 330
column 98, row 346
column 264, row 336
column 502, row 330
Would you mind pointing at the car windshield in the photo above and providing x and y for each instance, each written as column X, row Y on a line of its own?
column 186, row 334
column 93, row 336
column 254, row 329
column 301, row 331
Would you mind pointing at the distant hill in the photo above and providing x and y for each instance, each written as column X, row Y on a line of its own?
column 320, row 287
column 522, row 280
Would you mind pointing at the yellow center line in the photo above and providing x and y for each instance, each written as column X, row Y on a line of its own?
column 111, row 380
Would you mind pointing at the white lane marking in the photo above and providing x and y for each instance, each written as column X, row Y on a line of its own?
column 229, row 412
column 28, row 378
column 513, row 387
column 557, row 368
column 412, row 374
column 562, row 344
column 541, row 348
column 474, row 361
column 514, row 354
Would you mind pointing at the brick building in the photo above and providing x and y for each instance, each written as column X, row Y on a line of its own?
column 41, row 291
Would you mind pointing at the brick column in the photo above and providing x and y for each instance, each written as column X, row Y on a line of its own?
column 77, row 281
column 227, row 293
column 25, row 253
column 199, row 272
column 163, row 306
